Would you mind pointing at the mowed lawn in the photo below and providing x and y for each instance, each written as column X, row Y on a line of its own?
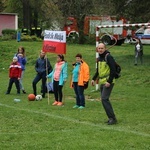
column 36, row 125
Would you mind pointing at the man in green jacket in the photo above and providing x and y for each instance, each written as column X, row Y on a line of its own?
column 105, row 72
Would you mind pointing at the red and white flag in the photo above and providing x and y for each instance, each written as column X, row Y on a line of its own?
column 54, row 42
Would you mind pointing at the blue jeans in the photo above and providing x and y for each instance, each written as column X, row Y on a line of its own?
column 79, row 91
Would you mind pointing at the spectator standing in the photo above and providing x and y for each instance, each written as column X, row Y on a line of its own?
column 105, row 72
column 42, row 66
column 59, row 77
column 138, row 52
column 80, row 78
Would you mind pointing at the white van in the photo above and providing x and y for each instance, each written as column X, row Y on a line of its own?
column 143, row 34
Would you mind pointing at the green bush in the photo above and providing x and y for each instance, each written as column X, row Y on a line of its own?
column 30, row 38
column 35, row 38
column 9, row 32
column 26, row 37
column 7, row 37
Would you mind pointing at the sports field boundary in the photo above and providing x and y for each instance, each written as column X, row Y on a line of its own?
column 113, row 128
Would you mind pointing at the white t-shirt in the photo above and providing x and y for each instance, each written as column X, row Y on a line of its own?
column 138, row 47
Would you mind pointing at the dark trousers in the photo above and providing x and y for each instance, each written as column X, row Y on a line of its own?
column 36, row 80
column 105, row 94
column 79, row 91
column 11, row 81
column 140, row 56
column 57, row 91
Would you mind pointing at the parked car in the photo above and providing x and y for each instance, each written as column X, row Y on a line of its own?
column 143, row 34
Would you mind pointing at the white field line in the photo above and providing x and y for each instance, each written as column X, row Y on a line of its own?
column 109, row 127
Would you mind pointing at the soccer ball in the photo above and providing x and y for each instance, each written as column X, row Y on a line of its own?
column 38, row 97
column 31, row 97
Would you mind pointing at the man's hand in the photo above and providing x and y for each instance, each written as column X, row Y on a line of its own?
column 92, row 82
column 107, row 84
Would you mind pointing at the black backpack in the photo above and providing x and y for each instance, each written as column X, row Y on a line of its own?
column 118, row 68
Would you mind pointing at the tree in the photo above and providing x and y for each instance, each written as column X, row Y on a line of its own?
column 33, row 13
column 138, row 13
column 77, row 9
column 26, row 14
column 103, row 7
column 2, row 5
column 52, row 13
column 131, row 10
column 51, row 16
column 15, row 6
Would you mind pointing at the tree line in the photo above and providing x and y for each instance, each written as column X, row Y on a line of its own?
column 44, row 13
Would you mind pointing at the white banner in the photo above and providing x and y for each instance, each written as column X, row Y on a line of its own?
column 54, row 42
column 55, row 36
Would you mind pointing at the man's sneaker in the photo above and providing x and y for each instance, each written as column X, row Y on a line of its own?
column 59, row 104
column 55, row 103
column 81, row 107
column 43, row 96
column 112, row 121
column 23, row 91
column 106, row 121
column 76, row 106
column 7, row 93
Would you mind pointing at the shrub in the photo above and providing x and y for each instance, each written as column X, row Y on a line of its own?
column 26, row 37
column 35, row 38
column 7, row 37
column 9, row 32
column 30, row 38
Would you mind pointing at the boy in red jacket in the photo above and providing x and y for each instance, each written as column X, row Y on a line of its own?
column 14, row 75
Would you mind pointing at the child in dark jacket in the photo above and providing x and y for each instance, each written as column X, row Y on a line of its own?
column 14, row 75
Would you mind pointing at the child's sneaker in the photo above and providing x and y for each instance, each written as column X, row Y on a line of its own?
column 55, row 103
column 59, row 104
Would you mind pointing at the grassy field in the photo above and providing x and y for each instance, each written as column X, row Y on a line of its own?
column 36, row 125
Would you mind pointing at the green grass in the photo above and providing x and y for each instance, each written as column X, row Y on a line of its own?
column 37, row 125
